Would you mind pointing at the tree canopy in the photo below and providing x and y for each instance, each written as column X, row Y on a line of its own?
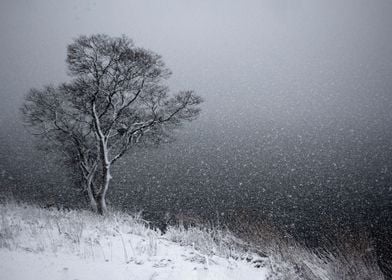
column 117, row 98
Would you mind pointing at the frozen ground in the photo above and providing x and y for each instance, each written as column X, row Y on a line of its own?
column 177, row 264
column 49, row 244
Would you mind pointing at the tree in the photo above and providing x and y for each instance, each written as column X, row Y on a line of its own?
column 116, row 99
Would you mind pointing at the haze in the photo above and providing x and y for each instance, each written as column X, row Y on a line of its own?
column 298, row 109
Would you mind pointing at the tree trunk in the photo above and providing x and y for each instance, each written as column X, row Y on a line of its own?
column 101, row 205
column 101, row 197
column 104, row 155
column 89, row 190
column 106, row 177
column 91, row 198
column 94, row 205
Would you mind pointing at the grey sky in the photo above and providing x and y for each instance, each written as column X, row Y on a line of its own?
column 267, row 57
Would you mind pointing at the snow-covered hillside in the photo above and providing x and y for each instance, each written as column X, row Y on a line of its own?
column 171, row 262
column 45, row 244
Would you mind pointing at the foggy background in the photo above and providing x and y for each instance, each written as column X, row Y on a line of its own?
column 296, row 124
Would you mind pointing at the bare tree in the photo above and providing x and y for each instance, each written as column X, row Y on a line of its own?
column 116, row 99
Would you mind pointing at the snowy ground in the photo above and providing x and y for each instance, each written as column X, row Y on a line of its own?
column 178, row 264
column 49, row 244
column 45, row 244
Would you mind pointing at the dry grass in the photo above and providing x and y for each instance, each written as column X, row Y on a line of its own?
column 352, row 259
column 26, row 227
